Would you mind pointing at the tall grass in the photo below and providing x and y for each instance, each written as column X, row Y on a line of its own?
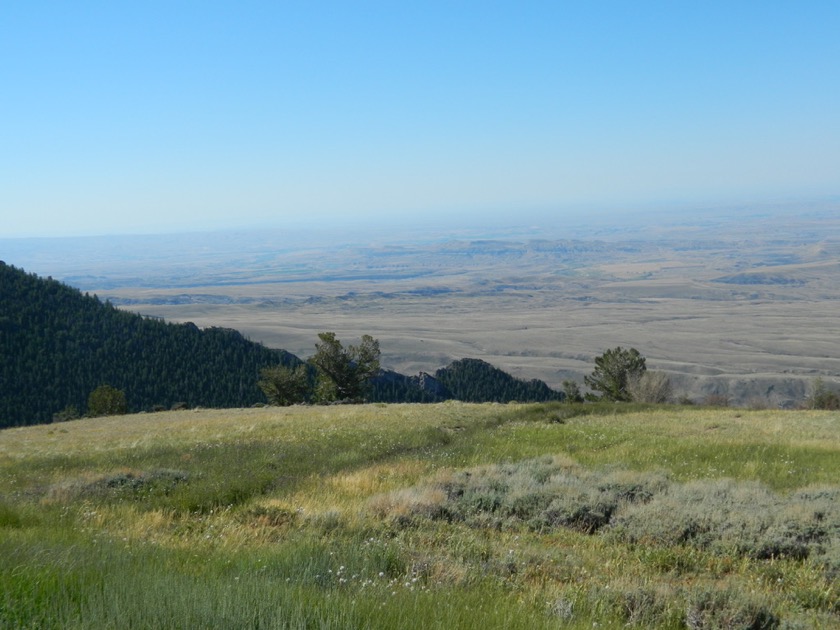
column 451, row 515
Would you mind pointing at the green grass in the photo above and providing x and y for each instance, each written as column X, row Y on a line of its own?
column 438, row 516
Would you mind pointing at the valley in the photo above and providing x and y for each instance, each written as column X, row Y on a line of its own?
column 741, row 304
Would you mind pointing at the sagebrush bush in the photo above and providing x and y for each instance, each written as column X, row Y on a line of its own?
column 540, row 493
column 722, row 516
column 830, row 561
column 121, row 485
column 701, row 513
column 650, row 387
column 735, row 517
column 715, row 609
column 404, row 506
column 636, row 606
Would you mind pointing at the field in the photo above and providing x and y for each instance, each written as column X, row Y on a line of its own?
column 413, row 516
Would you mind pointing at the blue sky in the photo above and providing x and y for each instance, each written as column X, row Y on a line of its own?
column 150, row 116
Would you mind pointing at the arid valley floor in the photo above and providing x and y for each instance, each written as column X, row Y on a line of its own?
column 739, row 302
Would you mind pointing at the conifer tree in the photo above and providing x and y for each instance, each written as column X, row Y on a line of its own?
column 344, row 373
column 614, row 371
column 285, row 386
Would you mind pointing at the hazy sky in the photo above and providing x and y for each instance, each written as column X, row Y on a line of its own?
column 160, row 116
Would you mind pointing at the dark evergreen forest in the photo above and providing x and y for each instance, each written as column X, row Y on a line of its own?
column 474, row 380
column 468, row 380
column 57, row 345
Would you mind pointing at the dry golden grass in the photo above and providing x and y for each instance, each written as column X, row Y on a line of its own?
column 351, row 512
column 182, row 428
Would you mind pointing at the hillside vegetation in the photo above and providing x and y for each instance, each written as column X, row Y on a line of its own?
column 58, row 345
column 467, row 380
column 446, row 515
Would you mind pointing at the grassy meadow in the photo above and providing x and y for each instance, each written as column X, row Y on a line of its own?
column 424, row 516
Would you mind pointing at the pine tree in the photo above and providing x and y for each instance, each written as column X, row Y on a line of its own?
column 614, row 371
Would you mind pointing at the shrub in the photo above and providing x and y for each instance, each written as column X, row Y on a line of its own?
column 830, row 561
column 822, row 397
column 721, row 516
column 728, row 610
column 640, row 606
column 285, row 386
column 128, row 484
column 68, row 413
column 650, row 387
column 106, row 401
column 741, row 517
column 702, row 513
column 716, row 400
column 572, row 392
column 541, row 494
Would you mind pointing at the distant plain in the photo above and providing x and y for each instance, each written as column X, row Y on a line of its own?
column 739, row 302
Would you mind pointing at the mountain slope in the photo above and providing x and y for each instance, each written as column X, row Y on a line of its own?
column 467, row 380
column 57, row 345
column 474, row 380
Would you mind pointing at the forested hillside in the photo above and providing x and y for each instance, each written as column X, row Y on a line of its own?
column 468, row 380
column 57, row 345
column 473, row 380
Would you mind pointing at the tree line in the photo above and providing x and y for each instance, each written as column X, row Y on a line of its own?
column 353, row 375
column 336, row 374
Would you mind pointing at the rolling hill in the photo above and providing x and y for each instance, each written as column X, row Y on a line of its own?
column 452, row 515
